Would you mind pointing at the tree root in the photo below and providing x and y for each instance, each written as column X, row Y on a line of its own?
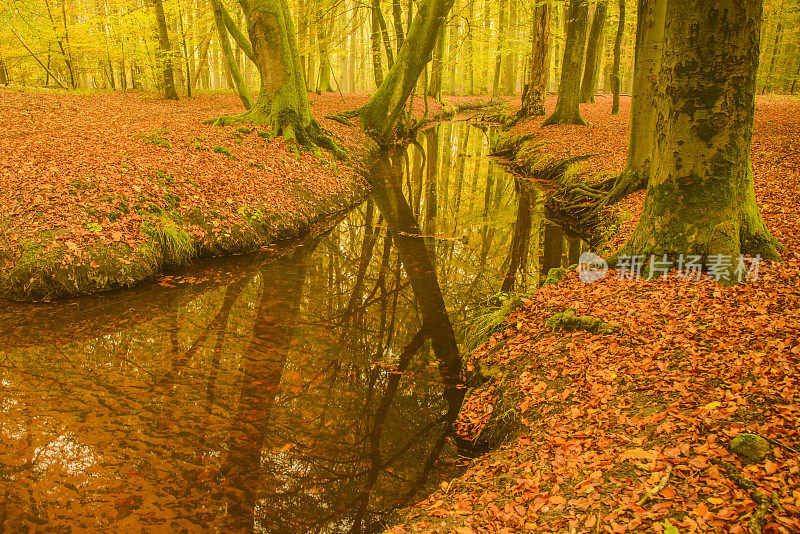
column 658, row 487
column 763, row 501
column 287, row 125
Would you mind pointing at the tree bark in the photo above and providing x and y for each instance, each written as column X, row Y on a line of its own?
column 435, row 86
column 3, row 73
column 375, row 36
column 569, row 92
column 616, row 83
column 535, row 91
column 324, row 84
column 700, row 199
column 644, row 102
column 594, row 53
column 166, row 52
column 381, row 114
column 282, row 102
column 397, row 15
column 233, row 65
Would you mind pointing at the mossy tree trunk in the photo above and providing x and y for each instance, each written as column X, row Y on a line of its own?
column 324, row 84
column 381, row 114
column 594, row 52
column 700, row 199
column 616, row 83
column 282, row 103
column 166, row 52
column 435, row 86
column 535, row 91
column 233, row 65
column 569, row 92
column 375, row 39
column 647, row 66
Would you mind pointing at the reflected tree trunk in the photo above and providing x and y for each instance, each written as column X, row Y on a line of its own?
column 518, row 255
column 262, row 368
column 388, row 195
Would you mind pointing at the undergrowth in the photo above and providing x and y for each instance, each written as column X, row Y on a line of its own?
column 176, row 244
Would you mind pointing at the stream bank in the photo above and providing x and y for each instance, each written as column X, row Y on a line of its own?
column 628, row 429
column 105, row 190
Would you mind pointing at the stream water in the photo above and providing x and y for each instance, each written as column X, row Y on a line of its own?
column 308, row 388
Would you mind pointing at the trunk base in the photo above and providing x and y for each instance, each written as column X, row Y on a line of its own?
column 286, row 123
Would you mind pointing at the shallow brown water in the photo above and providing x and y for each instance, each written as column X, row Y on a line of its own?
column 303, row 389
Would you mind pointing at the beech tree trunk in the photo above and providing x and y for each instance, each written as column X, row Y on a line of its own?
column 375, row 41
column 282, row 103
column 644, row 103
column 594, row 53
column 569, row 92
column 3, row 73
column 700, row 199
column 435, row 85
column 535, row 91
column 233, row 65
column 381, row 114
column 324, row 84
column 616, row 83
column 166, row 52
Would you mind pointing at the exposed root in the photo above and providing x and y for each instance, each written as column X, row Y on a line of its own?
column 658, row 487
column 763, row 501
column 286, row 124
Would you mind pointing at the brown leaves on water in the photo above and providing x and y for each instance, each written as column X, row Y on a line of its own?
column 610, row 418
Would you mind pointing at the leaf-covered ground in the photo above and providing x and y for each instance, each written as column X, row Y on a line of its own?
column 609, row 418
column 83, row 173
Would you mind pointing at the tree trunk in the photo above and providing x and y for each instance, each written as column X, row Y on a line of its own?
column 770, row 83
column 282, row 102
column 510, row 69
column 594, row 52
column 616, row 83
column 324, row 83
column 397, row 15
column 233, row 65
column 569, row 92
column 535, row 92
column 375, row 36
column 502, row 30
column 700, row 199
column 3, row 73
column 644, row 103
column 380, row 115
column 166, row 52
column 435, row 86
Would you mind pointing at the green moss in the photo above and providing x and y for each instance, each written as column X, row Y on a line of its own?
column 568, row 321
column 554, row 276
column 244, row 130
column 750, row 447
column 222, row 150
column 154, row 139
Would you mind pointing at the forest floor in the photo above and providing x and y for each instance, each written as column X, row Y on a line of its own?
column 104, row 190
column 625, row 431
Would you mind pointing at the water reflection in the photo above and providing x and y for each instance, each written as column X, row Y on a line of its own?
column 307, row 389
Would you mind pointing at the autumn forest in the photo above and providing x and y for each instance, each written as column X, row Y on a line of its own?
column 400, row 266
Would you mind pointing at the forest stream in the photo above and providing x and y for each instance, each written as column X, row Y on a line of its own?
column 307, row 388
